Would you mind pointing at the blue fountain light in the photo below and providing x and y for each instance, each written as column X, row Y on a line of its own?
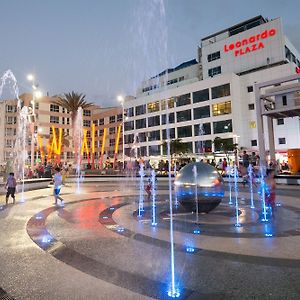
column 153, row 192
column 197, row 231
column 174, row 294
column 142, row 189
column 237, row 224
column 120, row 229
column 264, row 188
column 190, row 249
column 268, row 234
column 278, row 204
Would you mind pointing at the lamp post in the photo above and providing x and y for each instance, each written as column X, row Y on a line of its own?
column 121, row 100
column 36, row 94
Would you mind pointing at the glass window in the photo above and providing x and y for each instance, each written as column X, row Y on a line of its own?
column 129, row 112
column 54, row 108
column 203, row 146
column 220, row 145
column 129, row 125
column 101, row 121
column 214, row 71
column 220, row 91
column 9, row 144
column 222, row 126
column 112, row 142
column 143, row 151
column 153, row 106
column 140, row 110
column 171, row 132
column 281, row 141
column 154, row 121
column 95, row 122
column 87, row 112
column 171, row 118
column 202, row 130
column 171, row 103
column 200, row 96
column 252, row 124
column 11, row 120
column 141, row 123
column 213, row 56
column 54, row 119
column 184, row 115
column 11, row 108
column 154, row 135
column 129, row 138
column 253, row 143
column 280, row 121
column 142, row 137
column 86, row 123
column 88, row 134
column 154, row 150
column 183, row 100
column 201, row 112
column 223, row 108
column 63, row 120
column 68, row 121
column 101, row 131
column 250, row 88
column 119, row 117
column 251, row 106
column 185, row 131
column 112, row 119
column 284, row 100
column 112, row 130
column 189, row 147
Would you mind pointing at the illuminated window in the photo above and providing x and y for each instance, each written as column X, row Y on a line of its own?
column 153, row 106
column 171, row 103
column 252, row 124
column 223, row 108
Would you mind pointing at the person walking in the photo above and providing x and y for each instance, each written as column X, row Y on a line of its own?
column 10, row 185
column 57, row 180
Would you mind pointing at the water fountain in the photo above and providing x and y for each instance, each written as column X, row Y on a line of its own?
column 229, row 174
column 263, row 192
column 250, row 177
column 200, row 143
column 235, row 176
column 153, row 193
column 196, row 192
column 78, row 136
column 142, row 189
column 176, row 199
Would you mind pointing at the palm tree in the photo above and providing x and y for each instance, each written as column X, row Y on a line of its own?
column 176, row 147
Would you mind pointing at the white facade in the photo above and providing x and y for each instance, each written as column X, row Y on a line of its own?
column 254, row 55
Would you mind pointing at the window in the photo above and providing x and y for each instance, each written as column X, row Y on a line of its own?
column 101, row 131
column 213, row 56
column 284, row 101
column 183, row 100
column 164, row 119
column 63, row 120
column 214, row 71
column 11, row 108
column 222, row 126
column 141, row 123
column 154, row 135
column 219, row 146
column 171, row 132
column 220, row 91
column 112, row 130
column 181, row 78
column 112, row 119
column 252, row 124
column 250, row 88
column 171, row 103
column 63, row 111
column 185, row 131
column 86, row 123
column 88, row 134
column 202, row 130
column 101, row 122
column 281, row 141
column 154, row 121
column 143, row 151
column 153, row 106
column 280, row 121
column 10, row 131
column 54, row 119
column 129, row 125
column 129, row 138
column 119, row 117
column 253, row 143
column 70, row 155
column 95, row 122
column 68, row 121
column 9, row 144
column 251, row 106
column 184, row 115
column 223, row 108
column 96, row 133
column 11, row 120
column 50, row 131
column 154, row 150
column 201, row 112
column 201, row 96
column 172, row 81
column 129, row 112
column 140, row 110
column 86, row 112
column 112, row 142
column 54, row 108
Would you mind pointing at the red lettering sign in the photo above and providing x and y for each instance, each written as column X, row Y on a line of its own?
column 250, row 44
column 297, row 69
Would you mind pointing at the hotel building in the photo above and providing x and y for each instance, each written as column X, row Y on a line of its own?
column 214, row 95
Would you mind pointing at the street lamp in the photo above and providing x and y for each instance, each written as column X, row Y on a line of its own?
column 36, row 94
column 121, row 100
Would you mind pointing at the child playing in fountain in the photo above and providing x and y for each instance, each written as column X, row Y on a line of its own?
column 57, row 180
column 148, row 188
column 10, row 185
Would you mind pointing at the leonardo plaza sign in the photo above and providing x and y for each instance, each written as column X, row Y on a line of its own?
column 250, row 44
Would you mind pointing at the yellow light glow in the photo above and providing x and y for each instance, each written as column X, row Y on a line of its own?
column 118, row 139
column 103, row 141
column 93, row 138
column 84, row 143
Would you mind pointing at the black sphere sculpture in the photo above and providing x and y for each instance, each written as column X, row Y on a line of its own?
column 203, row 179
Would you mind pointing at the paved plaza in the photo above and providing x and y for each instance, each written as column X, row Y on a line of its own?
column 97, row 247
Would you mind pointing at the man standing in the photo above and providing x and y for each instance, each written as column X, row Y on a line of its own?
column 245, row 158
column 11, row 184
column 57, row 180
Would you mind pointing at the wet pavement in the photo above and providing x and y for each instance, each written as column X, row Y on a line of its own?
column 96, row 247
